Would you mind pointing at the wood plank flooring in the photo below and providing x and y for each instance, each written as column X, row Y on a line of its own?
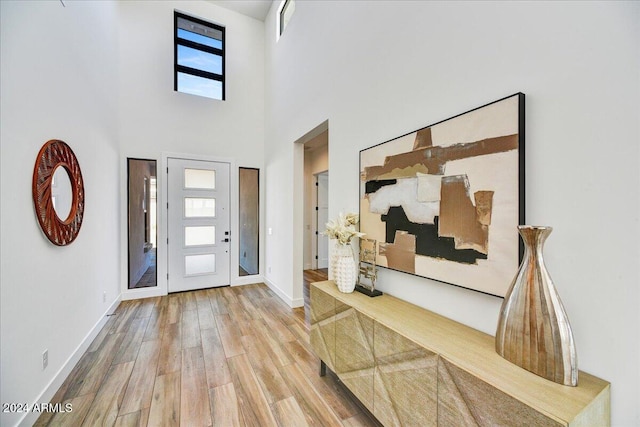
column 216, row 357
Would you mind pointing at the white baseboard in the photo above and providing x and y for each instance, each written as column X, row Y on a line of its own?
column 158, row 291
column 50, row 390
column 293, row 303
column 138, row 293
column 247, row 280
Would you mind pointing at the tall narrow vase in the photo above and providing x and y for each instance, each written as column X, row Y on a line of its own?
column 344, row 268
column 533, row 328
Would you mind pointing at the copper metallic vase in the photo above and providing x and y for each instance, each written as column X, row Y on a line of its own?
column 533, row 328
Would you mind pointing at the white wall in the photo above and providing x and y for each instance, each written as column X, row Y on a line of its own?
column 154, row 119
column 99, row 75
column 377, row 70
column 57, row 83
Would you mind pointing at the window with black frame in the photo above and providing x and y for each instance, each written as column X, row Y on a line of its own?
column 199, row 57
column 286, row 12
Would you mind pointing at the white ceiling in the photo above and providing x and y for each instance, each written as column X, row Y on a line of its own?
column 257, row 9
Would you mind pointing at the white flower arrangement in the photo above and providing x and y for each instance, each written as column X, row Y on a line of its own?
column 343, row 229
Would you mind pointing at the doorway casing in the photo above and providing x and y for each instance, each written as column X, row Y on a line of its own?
column 162, row 288
column 297, row 298
column 321, row 246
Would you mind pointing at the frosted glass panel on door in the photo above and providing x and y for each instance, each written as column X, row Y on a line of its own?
column 200, row 179
column 200, row 235
column 199, row 264
column 199, row 207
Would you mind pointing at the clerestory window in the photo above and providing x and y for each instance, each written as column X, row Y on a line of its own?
column 286, row 12
column 199, row 57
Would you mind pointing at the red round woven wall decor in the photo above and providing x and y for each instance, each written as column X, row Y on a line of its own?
column 54, row 154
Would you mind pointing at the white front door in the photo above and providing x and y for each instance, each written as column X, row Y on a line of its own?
column 198, row 224
column 322, row 219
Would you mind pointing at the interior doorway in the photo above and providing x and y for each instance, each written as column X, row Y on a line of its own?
column 316, row 162
column 316, row 200
column 310, row 157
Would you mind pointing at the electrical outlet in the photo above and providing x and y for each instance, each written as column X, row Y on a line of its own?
column 269, row 269
column 104, row 296
column 45, row 359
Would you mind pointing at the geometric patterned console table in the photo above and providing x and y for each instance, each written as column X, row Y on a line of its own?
column 412, row 367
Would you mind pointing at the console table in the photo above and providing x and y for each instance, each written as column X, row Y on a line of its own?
column 412, row 367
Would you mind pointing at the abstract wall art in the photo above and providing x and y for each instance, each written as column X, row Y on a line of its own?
column 445, row 201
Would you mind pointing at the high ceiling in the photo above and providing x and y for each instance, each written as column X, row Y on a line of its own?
column 257, row 9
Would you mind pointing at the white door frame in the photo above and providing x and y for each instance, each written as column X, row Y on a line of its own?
column 179, row 251
column 233, row 212
column 318, row 228
column 162, row 188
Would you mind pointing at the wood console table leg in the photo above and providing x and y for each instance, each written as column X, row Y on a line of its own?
column 323, row 368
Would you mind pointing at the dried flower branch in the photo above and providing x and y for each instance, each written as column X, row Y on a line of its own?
column 343, row 229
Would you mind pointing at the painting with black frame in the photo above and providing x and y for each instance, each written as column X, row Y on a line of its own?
column 445, row 201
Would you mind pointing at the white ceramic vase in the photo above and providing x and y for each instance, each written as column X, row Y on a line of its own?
column 344, row 268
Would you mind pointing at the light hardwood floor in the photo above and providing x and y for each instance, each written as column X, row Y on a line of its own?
column 217, row 357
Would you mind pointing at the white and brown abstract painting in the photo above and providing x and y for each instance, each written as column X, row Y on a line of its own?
column 445, row 201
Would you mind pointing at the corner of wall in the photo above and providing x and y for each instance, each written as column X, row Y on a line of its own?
column 291, row 302
column 50, row 390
